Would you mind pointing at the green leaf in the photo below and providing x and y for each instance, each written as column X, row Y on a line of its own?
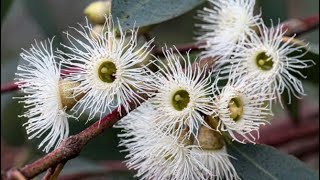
column 312, row 53
column 148, row 12
column 262, row 162
column 292, row 107
column 272, row 12
column 40, row 12
column 5, row 5
column 12, row 130
column 312, row 72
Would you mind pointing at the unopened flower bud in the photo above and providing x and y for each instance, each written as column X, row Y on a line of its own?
column 209, row 139
column 97, row 11
column 145, row 29
column 212, row 121
column 97, row 31
column 68, row 98
column 184, row 138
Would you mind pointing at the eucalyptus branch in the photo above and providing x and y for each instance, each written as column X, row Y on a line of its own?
column 49, row 173
column 301, row 25
column 181, row 48
column 53, row 172
column 72, row 146
column 7, row 87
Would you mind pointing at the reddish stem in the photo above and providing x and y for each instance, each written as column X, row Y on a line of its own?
column 181, row 48
column 300, row 26
column 7, row 87
column 72, row 146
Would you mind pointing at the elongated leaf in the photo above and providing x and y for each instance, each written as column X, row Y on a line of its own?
column 292, row 107
column 312, row 72
column 312, row 53
column 270, row 11
column 11, row 125
column 40, row 11
column 5, row 5
column 264, row 163
column 148, row 12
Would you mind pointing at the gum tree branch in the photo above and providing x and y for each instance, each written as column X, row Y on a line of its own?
column 72, row 146
column 8, row 87
column 49, row 173
column 53, row 172
column 300, row 26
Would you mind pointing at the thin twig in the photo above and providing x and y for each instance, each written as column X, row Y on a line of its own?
column 7, row 87
column 49, row 173
column 300, row 26
column 72, row 146
column 53, row 172
column 181, row 48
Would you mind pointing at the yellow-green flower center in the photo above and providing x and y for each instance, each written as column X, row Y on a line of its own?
column 180, row 100
column 264, row 62
column 107, row 71
column 236, row 108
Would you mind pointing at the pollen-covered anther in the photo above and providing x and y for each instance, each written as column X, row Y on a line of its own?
column 210, row 139
column 68, row 99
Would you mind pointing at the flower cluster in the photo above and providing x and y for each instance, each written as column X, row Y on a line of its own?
column 179, row 132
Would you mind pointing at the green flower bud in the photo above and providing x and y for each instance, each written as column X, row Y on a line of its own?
column 97, row 11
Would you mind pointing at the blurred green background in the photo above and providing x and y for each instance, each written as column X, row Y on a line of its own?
column 41, row 19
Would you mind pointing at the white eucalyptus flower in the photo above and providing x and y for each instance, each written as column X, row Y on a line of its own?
column 39, row 79
column 182, row 93
column 267, row 58
column 153, row 153
column 227, row 23
column 106, row 67
column 241, row 107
